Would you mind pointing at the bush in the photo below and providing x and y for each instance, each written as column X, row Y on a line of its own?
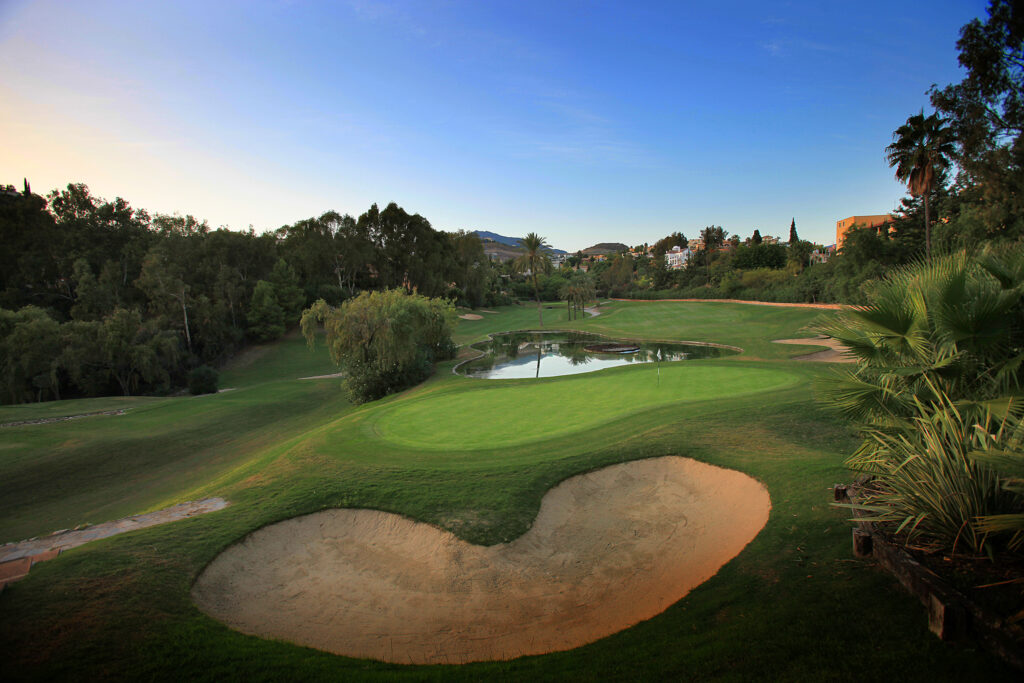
column 938, row 379
column 384, row 341
column 202, row 380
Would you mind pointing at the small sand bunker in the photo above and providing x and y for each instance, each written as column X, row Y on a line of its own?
column 608, row 549
column 471, row 316
column 835, row 353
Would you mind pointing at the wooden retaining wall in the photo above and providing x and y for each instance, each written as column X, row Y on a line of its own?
column 951, row 614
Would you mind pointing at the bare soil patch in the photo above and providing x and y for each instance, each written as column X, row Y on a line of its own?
column 608, row 549
column 835, row 353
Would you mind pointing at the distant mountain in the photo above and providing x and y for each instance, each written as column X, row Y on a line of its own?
column 605, row 248
column 505, row 247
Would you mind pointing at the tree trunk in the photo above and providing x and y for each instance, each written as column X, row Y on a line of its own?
column 927, row 229
column 188, row 334
column 568, row 308
column 536, row 292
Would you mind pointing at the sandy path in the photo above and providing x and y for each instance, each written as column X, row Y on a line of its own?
column 63, row 418
column 331, row 376
column 608, row 549
column 62, row 540
column 835, row 353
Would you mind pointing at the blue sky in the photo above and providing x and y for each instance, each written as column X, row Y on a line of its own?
column 582, row 121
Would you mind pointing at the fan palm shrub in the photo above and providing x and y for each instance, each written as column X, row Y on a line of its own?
column 938, row 351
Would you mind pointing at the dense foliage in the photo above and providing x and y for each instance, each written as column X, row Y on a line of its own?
column 384, row 341
column 939, row 351
column 202, row 380
column 99, row 298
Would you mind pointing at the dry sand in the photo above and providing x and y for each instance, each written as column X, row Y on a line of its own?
column 835, row 353
column 608, row 549
column 471, row 316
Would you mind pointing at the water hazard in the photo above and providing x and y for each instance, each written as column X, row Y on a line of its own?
column 533, row 353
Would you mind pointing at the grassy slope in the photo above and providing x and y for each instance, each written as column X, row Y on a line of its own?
column 792, row 606
column 59, row 475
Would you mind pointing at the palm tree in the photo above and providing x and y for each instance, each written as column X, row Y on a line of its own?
column 532, row 261
column 920, row 151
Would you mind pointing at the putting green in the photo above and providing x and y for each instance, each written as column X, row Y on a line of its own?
column 495, row 413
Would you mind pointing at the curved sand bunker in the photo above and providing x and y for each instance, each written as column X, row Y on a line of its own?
column 835, row 353
column 608, row 549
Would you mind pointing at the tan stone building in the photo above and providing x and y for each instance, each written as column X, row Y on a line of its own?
column 845, row 225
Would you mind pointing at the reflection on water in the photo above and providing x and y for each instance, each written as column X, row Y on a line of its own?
column 517, row 355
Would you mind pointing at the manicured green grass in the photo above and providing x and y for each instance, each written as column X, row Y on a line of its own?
column 286, row 359
column 751, row 327
column 793, row 605
column 510, row 413
column 748, row 326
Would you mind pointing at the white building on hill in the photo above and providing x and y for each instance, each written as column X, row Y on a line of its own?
column 677, row 258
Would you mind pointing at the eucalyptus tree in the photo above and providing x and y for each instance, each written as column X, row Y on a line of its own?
column 533, row 261
column 920, row 153
column 986, row 114
column 713, row 237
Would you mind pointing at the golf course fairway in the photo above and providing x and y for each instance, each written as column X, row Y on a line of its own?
column 510, row 414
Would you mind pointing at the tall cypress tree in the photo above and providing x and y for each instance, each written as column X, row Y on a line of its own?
column 793, row 239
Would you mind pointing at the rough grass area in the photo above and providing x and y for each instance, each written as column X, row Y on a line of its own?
column 793, row 605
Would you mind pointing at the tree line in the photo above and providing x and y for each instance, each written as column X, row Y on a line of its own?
column 98, row 298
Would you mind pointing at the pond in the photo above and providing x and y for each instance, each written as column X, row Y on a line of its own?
column 538, row 353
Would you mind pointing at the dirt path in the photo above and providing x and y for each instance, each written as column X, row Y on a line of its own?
column 835, row 353
column 824, row 307
column 63, row 418
column 608, row 549
column 63, row 540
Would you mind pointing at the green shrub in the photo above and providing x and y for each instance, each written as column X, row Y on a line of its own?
column 202, row 380
column 384, row 341
column 939, row 350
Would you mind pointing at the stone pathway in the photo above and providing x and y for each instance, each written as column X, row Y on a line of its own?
column 16, row 559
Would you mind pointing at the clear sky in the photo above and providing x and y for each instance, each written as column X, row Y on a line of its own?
column 582, row 121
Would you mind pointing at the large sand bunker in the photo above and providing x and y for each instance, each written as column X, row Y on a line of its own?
column 608, row 549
